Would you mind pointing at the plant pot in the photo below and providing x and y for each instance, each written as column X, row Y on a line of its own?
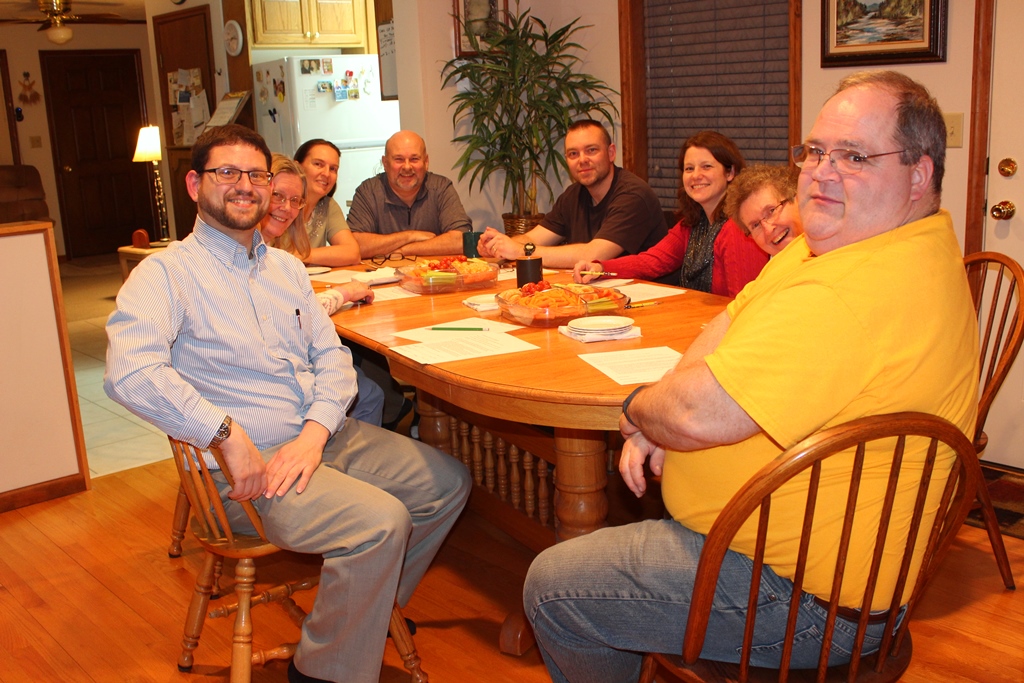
column 517, row 225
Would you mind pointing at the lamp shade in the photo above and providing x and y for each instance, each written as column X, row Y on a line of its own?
column 148, row 148
column 59, row 34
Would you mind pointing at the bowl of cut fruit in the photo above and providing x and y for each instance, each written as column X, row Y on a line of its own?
column 542, row 304
column 448, row 274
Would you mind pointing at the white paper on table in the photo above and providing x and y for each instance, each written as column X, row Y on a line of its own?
column 509, row 272
column 643, row 292
column 425, row 334
column 380, row 276
column 617, row 282
column 637, row 366
column 392, row 294
column 468, row 345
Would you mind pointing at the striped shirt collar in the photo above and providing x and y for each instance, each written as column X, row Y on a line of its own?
column 223, row 247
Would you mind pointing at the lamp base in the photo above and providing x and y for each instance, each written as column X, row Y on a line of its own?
column 160, row 243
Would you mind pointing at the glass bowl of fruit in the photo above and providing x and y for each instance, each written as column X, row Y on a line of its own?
column 542, row 304
column 448, row 274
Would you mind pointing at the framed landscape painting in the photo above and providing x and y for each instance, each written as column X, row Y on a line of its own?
column 857, row 33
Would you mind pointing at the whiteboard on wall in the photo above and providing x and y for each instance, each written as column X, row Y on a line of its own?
column 42, row 450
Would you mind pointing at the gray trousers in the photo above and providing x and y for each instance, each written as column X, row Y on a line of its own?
column 377, row 509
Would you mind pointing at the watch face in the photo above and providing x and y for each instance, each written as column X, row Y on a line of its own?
column 529, row 248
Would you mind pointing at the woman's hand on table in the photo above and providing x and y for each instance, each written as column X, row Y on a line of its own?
column 582, row 272
column 356, row 291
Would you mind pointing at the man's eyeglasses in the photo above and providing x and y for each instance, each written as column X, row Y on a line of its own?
column 225, row 175
column 384, row 258
column 294, row 202
column 844, row 161
column 769, row 216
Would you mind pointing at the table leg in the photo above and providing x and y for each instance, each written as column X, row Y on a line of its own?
column 581, row 506
column 434, row 429
column 581, row 482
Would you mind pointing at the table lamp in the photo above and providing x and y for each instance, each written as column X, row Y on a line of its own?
column 148, row 149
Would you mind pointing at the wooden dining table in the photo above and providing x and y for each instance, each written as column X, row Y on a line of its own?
column 547, row 402
column 548, row 386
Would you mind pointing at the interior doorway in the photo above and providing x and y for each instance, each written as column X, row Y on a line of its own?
column 10, row 153
column 95, row 107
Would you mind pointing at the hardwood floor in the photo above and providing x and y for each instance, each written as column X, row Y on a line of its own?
column 87, row 593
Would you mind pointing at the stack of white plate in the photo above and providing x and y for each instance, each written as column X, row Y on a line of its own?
column 605, row 325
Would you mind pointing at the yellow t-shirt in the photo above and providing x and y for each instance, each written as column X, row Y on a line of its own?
column 880, row 326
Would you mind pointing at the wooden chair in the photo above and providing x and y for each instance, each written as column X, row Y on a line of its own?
column 756, row 496
column 996, row 282
column 210, row 527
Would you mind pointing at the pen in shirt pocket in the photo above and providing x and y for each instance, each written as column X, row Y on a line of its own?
column 298, row 318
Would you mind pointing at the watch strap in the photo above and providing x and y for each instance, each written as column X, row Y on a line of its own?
column 223, row 432
column 629, row 399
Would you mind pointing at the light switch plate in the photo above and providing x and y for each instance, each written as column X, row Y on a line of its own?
column 954, row 129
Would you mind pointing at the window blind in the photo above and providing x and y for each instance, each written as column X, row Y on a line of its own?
column 715, row 65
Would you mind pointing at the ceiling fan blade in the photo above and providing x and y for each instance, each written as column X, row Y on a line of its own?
column 103, row 19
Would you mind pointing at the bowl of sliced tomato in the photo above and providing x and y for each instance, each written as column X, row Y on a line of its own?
column 448, row 274
column 542, row 304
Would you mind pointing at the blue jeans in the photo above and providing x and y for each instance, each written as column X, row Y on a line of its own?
column 596, row 602
column 369, row 403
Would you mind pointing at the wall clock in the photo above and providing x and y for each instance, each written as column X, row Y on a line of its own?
column 234, row 39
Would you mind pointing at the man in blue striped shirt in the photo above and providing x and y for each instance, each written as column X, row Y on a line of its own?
column 220, row 341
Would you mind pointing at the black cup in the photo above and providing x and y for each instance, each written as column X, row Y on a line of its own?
column 469, row 243
column 528, row 269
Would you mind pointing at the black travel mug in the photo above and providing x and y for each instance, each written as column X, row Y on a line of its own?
column 528, row 269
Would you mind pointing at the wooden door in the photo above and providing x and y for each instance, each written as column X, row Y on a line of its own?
column 184, row 40
column 95, row 107
column 1005, row 425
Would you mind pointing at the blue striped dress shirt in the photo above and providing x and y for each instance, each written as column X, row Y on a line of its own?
column 203, row 329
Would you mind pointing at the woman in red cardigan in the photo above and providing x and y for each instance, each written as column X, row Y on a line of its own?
column 710, row 252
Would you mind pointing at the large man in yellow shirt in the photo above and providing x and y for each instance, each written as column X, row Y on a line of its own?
column 868, row 313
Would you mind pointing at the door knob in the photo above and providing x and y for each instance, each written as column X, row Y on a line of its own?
column 67, row 169
column 1003, row 211
column 1007, row 167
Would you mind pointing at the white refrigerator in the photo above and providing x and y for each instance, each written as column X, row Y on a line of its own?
column 334, row 97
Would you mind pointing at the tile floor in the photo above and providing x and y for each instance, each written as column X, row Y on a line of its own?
column 115, row 439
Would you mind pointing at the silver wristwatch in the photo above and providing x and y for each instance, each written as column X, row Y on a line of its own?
column 222, row 433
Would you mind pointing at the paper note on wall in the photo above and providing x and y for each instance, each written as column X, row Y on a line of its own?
column 388, row 64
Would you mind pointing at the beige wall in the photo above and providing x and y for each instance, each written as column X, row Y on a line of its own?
column 949, row 82
column 424, row 38
column 23, row 43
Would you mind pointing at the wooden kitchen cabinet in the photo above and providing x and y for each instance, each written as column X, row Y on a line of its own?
column 309, row 23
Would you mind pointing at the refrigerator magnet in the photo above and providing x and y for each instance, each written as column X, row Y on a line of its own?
column 324, row 86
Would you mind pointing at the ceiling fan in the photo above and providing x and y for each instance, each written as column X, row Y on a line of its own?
column 58, row 14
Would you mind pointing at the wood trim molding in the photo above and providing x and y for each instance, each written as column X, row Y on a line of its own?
column 981, row 94
column 12, row 125
column 633, row 78
column 795, row 74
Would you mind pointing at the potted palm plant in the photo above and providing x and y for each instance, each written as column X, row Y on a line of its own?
column 518, row 92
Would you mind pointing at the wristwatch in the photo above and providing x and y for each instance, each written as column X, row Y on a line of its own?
column 529, row 248
column 222, row 433
column 629, row 399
